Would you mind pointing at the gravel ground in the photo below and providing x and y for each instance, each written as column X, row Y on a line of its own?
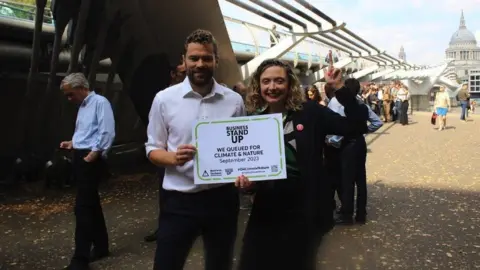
column 423, row 211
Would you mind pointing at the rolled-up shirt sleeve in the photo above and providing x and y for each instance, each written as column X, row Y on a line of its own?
column 157, row 134
column 106, row 127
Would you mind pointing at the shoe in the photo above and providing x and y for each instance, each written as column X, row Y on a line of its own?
column 343, row 220
column 75, row 265
column 98, row 255
column 361, row 219
column 152, row 237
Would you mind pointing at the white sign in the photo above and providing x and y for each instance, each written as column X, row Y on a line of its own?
column 227, row 148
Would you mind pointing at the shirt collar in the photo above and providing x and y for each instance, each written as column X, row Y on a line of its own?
column 88, row 98
column 262, row 110
column 216, row 89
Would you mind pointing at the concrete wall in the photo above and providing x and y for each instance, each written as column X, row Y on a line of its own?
column 161, row 27
column 424, row 103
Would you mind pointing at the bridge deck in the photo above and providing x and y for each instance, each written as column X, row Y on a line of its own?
column 423, row 210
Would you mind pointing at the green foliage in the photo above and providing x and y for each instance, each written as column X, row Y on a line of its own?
column 28, row 2
column 25, row 9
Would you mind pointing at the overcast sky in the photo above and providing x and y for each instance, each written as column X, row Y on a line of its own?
column 423, row 27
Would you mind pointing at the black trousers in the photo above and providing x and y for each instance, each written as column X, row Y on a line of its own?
column 353, row 173
column 333, row 166
column 211, row 214
column 280, row 240
column 90, row 228
column 404, row 114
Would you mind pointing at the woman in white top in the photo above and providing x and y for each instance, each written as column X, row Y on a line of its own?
column 441, row 107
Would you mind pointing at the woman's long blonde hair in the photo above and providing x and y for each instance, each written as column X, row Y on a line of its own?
column 295, row 96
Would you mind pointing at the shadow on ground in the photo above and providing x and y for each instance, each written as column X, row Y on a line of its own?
column 409, row 228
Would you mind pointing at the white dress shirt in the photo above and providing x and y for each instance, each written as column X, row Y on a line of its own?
column 403, row 95
column 380, row 94
column 171, row 118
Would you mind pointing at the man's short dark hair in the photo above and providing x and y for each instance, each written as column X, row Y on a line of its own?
column 203, row 37
column 353, row 84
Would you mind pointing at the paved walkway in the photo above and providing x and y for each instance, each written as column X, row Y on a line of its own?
column 423, row 211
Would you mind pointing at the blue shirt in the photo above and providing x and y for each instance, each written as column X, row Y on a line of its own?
column 95, row 125
column 373, row 119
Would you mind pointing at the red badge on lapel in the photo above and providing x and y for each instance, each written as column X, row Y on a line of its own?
column 299, row 127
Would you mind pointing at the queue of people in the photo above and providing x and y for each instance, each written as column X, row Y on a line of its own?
column 389, row 101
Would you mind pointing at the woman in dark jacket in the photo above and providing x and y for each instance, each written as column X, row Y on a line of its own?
column 289, row 216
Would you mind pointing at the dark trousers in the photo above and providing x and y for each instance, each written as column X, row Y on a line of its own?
column 353, row 173
column 279, row 239
column 380, row 108
column 333, row 166
column 211, row 213
column 90, row 226
column 404, row 113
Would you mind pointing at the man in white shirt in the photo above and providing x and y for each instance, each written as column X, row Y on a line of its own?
column 380, row 101
column 191, row 210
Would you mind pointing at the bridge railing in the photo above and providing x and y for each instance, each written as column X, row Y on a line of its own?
column 254, row 46
column 20, row 11
column 256, row 40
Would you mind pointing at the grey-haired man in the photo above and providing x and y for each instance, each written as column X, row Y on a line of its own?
column 94, row 135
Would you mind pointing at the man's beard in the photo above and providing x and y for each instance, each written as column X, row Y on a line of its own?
column 204, row 79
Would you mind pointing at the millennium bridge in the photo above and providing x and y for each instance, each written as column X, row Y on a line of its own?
column 125, row 48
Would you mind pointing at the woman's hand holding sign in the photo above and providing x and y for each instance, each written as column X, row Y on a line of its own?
column 185, row 153
column 243, row 182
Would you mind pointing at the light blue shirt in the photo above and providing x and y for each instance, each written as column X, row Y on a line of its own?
column 95, row 125
column 373, row 119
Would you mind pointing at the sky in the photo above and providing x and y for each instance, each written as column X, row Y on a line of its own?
column 423, row 27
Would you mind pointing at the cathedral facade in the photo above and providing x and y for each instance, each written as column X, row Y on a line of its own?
column 464, row 51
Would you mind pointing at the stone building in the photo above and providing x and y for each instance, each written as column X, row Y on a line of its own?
column 464, row 51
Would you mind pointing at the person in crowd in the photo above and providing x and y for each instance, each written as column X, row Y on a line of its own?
column 403, row 96
column 274, row 36
column 396, row 104
column 346, row 163
column 441, row 107
column 177, row 75
column 190, row 210
column 463, row 96
column 289, row 216
column 93, row 137
column 380, row 103
column 313, row 94
column 373, row 99
column 387, row 104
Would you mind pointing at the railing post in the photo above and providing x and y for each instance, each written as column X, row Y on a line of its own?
column 255, row 41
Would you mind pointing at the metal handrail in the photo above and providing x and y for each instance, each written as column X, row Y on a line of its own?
column 266, row 29
column 20, row 6
column 347, row 37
